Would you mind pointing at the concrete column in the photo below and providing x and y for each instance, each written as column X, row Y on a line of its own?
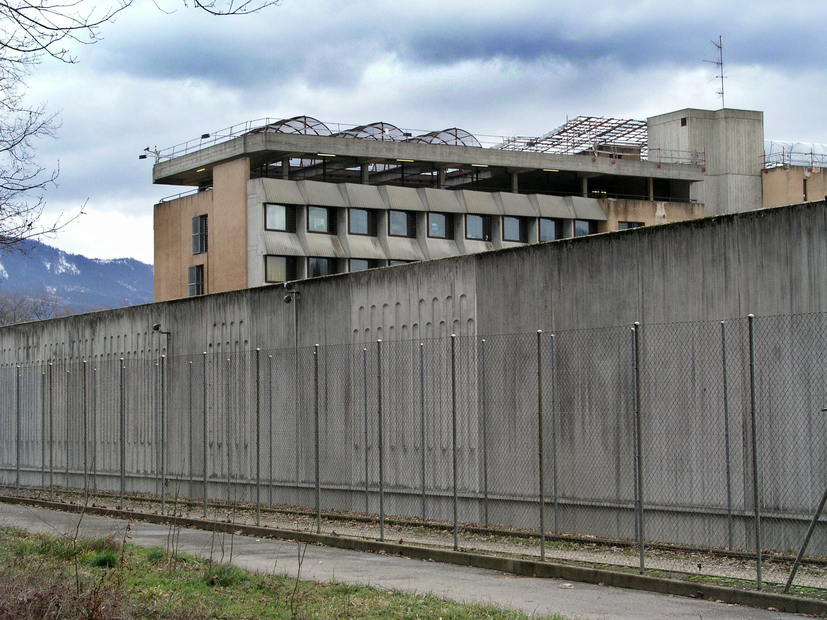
column 584, row 187
column 285, row 168
column 515, row 187
column 440, row 179
column 365, row 177
column 651, row 188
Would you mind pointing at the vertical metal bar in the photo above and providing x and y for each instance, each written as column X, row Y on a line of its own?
column 270, row 427
column 156, row 432
column 806, row 542
column 316, row 455
column 66, row 421
column 51, row 438
column 365, row 398
column 454, row 435
column 43, row 429
column 204, row 426
column 122, row 430
column 484, row 435
column 753, row 419
column 190, row 448
column 638, row 449
column 85, row 440
column 163, row 435
column 95, row 429
column 258, row 438
column 380, row 440
column 422, row 419
column 726, row 438
column 227, row 437
column 540, row 464
column 554, row 429
column 17, row 428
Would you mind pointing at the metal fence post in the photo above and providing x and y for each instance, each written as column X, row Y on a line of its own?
column 258, row 438
column 191, row 493
column 157, row 433
column 85, row 440
column 638, row 449
column 51, row 438
column 541, row 468
column 270, row 427
column 554, row 429
column 454, row 435
column 95, row 429
column 228, row 433
column 380, row 442
column 204, row 426
column 316, row 454
column 422, row 419
column 122, row 429
column 753, row 418
column 365, row 398
column 42, row 429
column 17, row 428
column 726, row 438
column 66, row 421
column 484, row 435
column 163, row 434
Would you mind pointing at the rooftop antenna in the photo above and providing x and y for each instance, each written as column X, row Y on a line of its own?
column 720, row 64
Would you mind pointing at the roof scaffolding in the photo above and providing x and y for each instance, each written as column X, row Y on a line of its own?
column 585, row 134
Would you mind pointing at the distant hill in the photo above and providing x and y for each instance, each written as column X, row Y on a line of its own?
column 83, row 283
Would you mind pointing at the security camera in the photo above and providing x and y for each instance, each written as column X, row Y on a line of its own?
column 288, row 299
column 156, row 327
column 289, row 286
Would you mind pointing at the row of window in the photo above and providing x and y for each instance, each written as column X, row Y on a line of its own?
column 403, row 224
column 285, row 268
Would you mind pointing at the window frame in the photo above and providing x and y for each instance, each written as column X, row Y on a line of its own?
column 448, row 225
column 289, row 217
column 330, row 220
column 485, row 227
column 370, row 263
column 558, row 229
column 195, row 280
column 200, row 239
column 331, row 266
column 290, row 268
column 370, row 223
column 522, row 229
column 410, row 224
column 624, row 225
column 591, row 224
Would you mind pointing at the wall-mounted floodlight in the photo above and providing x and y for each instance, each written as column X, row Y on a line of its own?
column 204, row 136
column 157, row 329
column 292, row 293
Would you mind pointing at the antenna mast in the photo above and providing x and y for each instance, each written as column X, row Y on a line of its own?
column 720, row 64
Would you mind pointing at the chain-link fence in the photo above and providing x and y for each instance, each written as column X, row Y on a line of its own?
column 686, row 448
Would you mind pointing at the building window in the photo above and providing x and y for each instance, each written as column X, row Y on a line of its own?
column 584, row 227
column 317, row 267
column 550, row 230
column 199, row 234
column 362, row 222
column 360, row 264
column 280, row 217
column 401, row 224
column 279, row 268
column 392, row 262
column 321, row 220
column 628, row 225
column 195, row 280
column 441, row 225
column 478, row 227
column 515, row 229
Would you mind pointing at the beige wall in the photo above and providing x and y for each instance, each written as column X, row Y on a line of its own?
column 225, row 262
column 647, row 211
column 785, row 185
column 173, row 247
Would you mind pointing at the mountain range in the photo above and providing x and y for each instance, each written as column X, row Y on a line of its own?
column 81, row 283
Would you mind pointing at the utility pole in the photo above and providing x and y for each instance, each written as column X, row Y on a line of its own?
column 720, row 64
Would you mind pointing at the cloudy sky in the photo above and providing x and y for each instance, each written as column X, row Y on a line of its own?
column 162, row 76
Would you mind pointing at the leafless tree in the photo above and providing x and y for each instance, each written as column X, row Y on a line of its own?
column 17, row 307
column 29, row 31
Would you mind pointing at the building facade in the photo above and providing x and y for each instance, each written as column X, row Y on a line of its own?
column 293, row 199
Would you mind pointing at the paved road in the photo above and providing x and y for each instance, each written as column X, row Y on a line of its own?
column 535, row 596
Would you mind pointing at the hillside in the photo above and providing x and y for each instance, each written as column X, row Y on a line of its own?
column 81, row 283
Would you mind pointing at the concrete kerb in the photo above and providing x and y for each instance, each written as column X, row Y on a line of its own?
column 518, row 567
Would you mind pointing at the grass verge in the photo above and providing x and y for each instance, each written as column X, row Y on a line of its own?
column 104, row 579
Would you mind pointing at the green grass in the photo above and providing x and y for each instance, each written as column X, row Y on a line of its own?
column 117, row 581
